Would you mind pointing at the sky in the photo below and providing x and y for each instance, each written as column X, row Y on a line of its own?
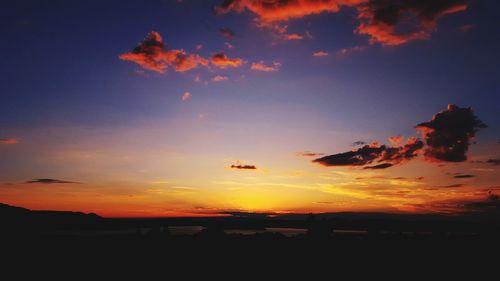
column 199, row 108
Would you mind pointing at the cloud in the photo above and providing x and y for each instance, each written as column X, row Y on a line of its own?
column 272, row 13
column 464, row 176
column 453, row 185
column 382, row 20
column 490, row 204
column 153, row 55
column 282, row 30
column 492, row 161
column 186, row 96
column 467, row 27
column 447, row 138
column 449, row 133
column 309, row 154
column 260, row 66
column 358, row 143
column 320, row 54
column 388, row 22
column 222, row 61
column 239, row 214
column 379, row 166
column 226, row 32
column 395, row 140
column 386, row 156
column 228, row 45
column 344, row 52
column 293, row 36
column 220, row 78
column 495, row 161
column 268, row 11
column 243, row 167
column 8, row 141
column 49, row 181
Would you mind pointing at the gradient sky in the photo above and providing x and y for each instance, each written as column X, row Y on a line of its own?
column 85, row 127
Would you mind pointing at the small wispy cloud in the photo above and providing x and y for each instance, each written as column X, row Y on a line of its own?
column 8, row 141
column 220, row 78
column 308, row 154
column 186, row 96
column 320, row 54
column 260, row 66
column 226, row 32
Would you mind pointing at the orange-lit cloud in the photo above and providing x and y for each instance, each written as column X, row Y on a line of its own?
column 381, row 19
column 395, row 140
column 269, row 11
column 222, row 61
column 220, row 78
column 294, row 36
column 260, row 66
column 8, row 141
column 272, row 13
column 320, row 54
column 186, row 96
column 449, row 134
column 152, row 54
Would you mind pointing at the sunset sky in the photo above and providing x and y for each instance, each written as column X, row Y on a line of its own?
column 193, row 107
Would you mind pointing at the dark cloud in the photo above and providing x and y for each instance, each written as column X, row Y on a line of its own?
column 49, row 181
column 449, row 133
column 452, row 185
column 384, row 20
column 244, row 167
column 358, row 157
column 226, row 32
column 379, row 166
column 464, row 176
column 495, row 161
column 246, row 214
column 386, row 156
column 491, row 204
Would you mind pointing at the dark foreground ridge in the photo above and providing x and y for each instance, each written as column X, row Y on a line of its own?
column 69, row 238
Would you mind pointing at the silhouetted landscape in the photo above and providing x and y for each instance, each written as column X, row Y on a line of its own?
column 276, row 238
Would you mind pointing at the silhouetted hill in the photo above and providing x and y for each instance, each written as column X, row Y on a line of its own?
column 7, row 210
column 17, row 219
